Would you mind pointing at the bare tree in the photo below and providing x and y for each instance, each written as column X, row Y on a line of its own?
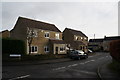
column 30, row 35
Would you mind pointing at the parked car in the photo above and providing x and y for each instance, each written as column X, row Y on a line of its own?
column 78, row 54
column 90, row 51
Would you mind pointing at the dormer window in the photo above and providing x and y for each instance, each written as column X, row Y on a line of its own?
column 47, row 34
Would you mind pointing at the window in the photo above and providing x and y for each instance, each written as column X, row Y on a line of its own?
column 80, row 47
column 47, row 35
column 81, row 37
column 33, row 49
column 62, row 49
column 35, row 33
column 57, row 35
column 32, row 33
column 76, row 38
column 85, row 38
column 46, row 49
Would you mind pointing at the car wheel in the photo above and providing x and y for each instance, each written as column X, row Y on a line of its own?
column 71, row 57
column 86, row 57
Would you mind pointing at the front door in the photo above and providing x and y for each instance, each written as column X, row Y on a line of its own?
column 56, row 50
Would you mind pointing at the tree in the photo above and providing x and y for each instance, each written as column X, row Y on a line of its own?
column 30, row 35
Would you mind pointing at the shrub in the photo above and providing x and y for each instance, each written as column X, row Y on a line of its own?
column 115, row 49
column 114, row 66
column 11, row 46
column 42, row 57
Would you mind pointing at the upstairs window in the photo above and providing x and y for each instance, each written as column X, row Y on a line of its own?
column 85, row 38
column 81, row 37
column 76, row 38
column 35, row 33
column 57, row 36
column 47, row 34
column 32, row 33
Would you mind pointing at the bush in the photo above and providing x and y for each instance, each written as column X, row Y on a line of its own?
column 11, row 46
column 42, row 57
column 115, row 50
column 114, row 66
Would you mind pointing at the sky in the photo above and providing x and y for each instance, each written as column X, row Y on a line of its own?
column 99, row 18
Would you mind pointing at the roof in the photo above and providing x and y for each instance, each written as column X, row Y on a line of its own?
column 96, row 40
column 76, row 32
column 112, row 38
column 55, row 41
column 36, row 24
column 4, row 31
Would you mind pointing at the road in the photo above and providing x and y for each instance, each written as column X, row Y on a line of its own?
column 85, row 68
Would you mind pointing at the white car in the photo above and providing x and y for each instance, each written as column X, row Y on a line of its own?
column 90, row 51
column 78, row 54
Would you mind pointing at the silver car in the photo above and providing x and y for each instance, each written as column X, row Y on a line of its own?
column 78, row 54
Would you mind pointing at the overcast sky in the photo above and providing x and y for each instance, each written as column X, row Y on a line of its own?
column 99, row 18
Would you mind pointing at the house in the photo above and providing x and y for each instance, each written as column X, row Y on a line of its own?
column 101, row 44
column 96, row 44
column 107, row 40
column 5, row 34
column 47, row 37
column 76, row 39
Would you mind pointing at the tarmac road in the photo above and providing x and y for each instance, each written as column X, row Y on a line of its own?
column 85, row 68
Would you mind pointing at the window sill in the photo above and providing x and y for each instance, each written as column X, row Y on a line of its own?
column 62, row 51
column 34, row 52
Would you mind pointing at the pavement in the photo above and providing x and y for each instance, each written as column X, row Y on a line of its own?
column 39, row 62
column 105, row 73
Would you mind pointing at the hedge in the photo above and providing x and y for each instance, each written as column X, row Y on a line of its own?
column 11, row 46
column 115, row 50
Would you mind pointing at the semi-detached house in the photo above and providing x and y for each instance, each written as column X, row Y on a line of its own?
column 76, row 39
column 48, row 38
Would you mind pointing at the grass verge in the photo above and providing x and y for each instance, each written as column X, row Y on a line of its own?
column 114, row 66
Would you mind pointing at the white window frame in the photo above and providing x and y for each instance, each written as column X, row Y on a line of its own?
column 81, row 38
column 35, row 33
column 46, row 35
column 57, row 35
column 34, row 51
column 76, row 38
column 45, row 48
column 63, row 49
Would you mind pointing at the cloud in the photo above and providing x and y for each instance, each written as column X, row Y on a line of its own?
column 98, row 18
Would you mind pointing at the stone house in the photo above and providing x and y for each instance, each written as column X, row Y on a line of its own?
column 102, row 44
column 107, row 40
column 47, row 39
column 76, row 39
column 5, row 34
column 96, row 44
